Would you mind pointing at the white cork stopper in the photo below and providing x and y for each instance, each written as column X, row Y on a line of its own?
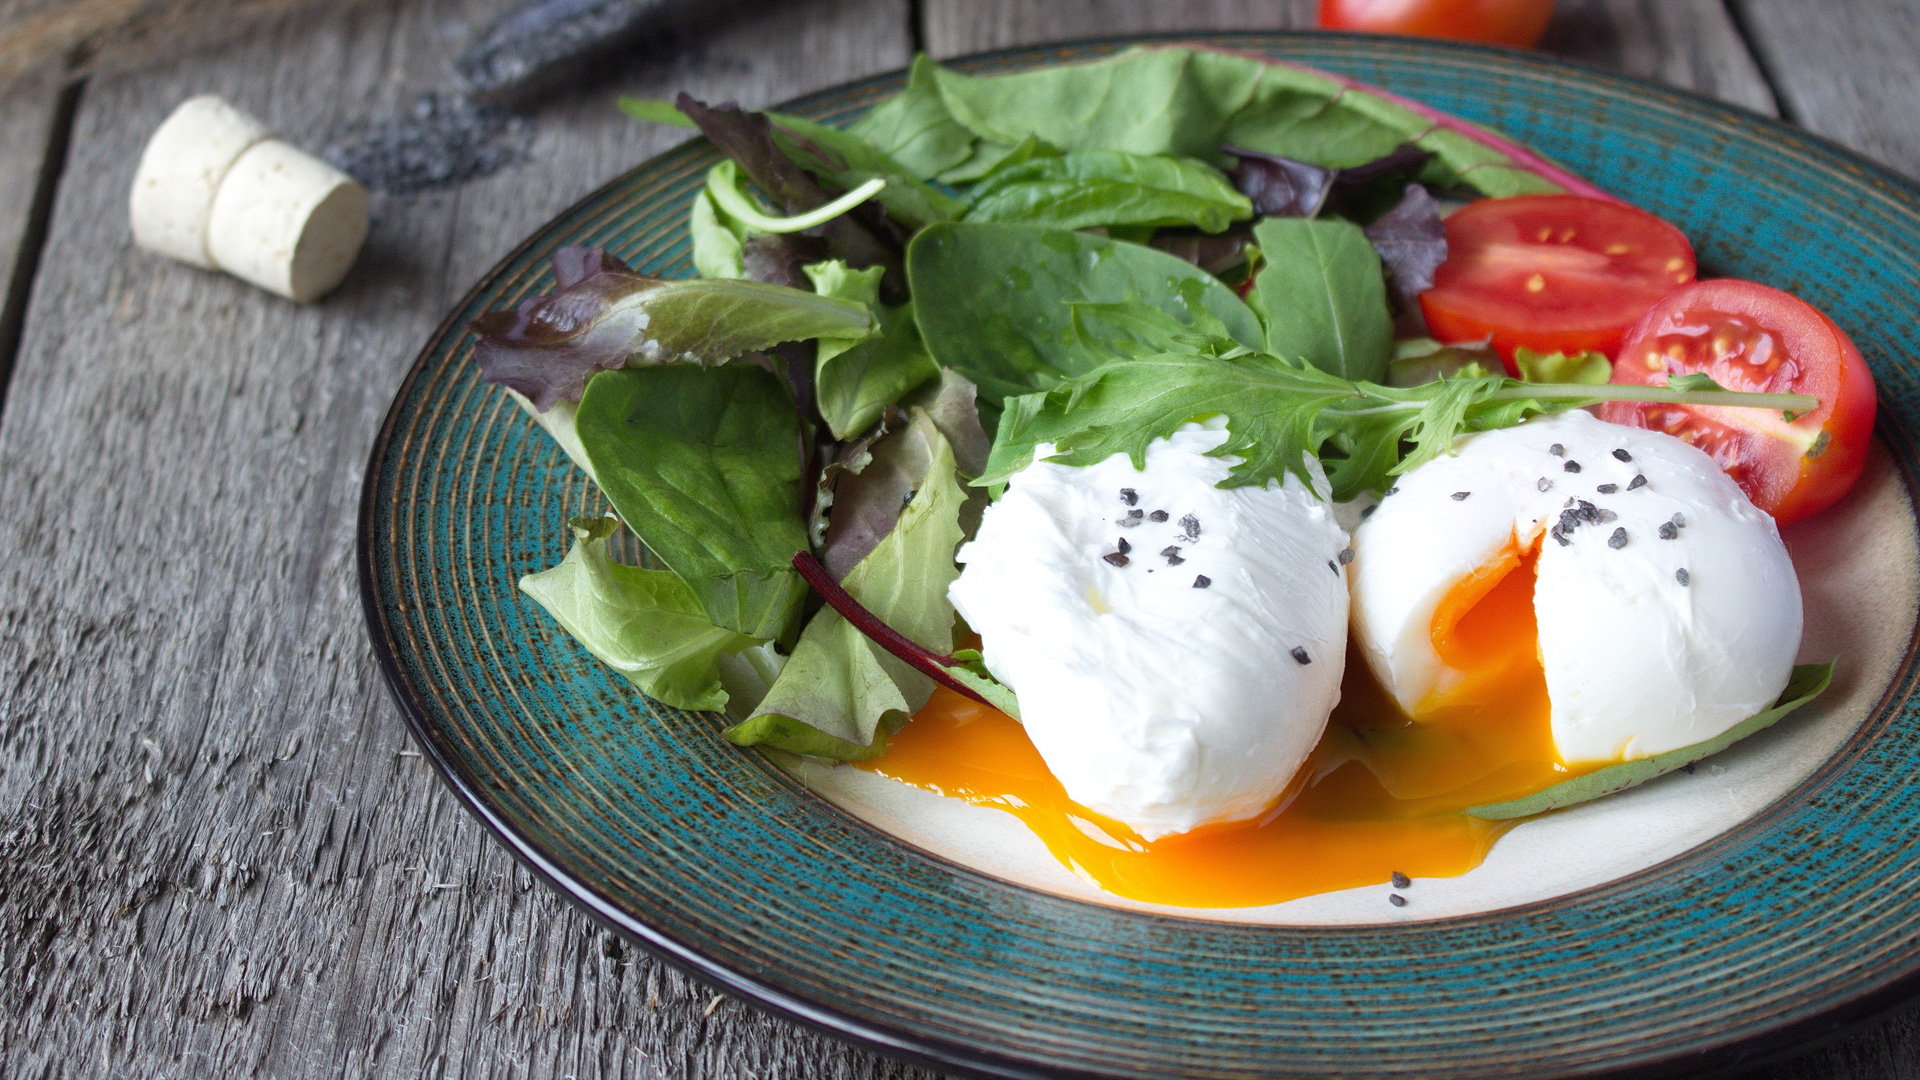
column 215, row 189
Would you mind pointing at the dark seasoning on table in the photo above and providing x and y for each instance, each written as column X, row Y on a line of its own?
column 173, row 823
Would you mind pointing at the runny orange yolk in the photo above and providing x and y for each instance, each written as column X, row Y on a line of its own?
column 1382, row 792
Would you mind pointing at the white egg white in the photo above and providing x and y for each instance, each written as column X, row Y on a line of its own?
column 1158, row 703
column 1668, row 611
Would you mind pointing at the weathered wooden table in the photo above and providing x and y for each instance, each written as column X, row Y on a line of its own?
column 218, row 853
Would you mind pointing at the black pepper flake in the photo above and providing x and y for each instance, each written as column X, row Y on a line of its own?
column 1125, row 547
column 1191, row 526
column 1128, row 522
column 1300, row 655
column 1618, row 540
column 1346, row 556
column 1639, row 481
column 1172, row 555
column 1396, row 900
column 1557, row 450
column 1682, row 576
column 1201, row 581
column 1368, row 512
column 1392, row 491
column 1679, row 521
column 1157, row 515
column 1560, row 536
column 1622, row 455
column 1461, row 496
column 1129, row 496
column 1603, row 517
column 1335, row 569
column 1669, row 531
column 1116, row 558
column 1544, row 484
column 1571, row 466
column 1400, row 880
column 1607, row 489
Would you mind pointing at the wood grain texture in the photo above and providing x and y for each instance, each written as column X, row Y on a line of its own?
column 30, row 109
column 220, row 857
column 958, row 27
column 1849, row 71
column 1687, row 43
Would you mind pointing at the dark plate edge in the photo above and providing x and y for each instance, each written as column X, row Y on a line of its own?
column 1719, row 1060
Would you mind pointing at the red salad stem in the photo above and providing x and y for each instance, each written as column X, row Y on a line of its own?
column 921, row 659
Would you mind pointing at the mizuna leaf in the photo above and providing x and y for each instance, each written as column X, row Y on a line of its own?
column 1807, row 682
column 603, row 316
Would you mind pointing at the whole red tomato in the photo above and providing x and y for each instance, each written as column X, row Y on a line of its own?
column 1518, row 23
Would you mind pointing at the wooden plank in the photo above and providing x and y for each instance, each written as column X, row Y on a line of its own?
column 958, row 27
column 32, row 114
column 1687, row 43
column 1847, row 71
column 221, row 857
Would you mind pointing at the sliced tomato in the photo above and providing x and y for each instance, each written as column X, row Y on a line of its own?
column 1751, row 337
column 1497, row 22
column 1553, row 273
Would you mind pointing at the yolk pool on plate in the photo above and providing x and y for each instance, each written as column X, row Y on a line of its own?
column 1382, row 792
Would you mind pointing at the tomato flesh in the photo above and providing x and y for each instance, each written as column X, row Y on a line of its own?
column 1552, row 273
column 1518, row 23
column 1753, row 338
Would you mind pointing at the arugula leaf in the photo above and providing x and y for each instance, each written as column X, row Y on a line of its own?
column 1323, row 296
column 717, row 239
column 914, row 127
column 839, row 688
column 1582, row 367
column 857, row 378
column 993, row 301
column 604, row 316
column 645, row 624
column 1110, row 187
column 1279, row 412
column 704, row 465
column 1412, row 243
column 1807, row 682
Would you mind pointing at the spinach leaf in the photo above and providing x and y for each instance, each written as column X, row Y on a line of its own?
column 994, row 302
column 645, row 624
column 704, row 465
column 839, row 688
column 1323, row 296
column 914, row 127
column 1144, row 101
column 603, row 316
column 1110, row 187
column 857, row 378
column 1807, row 682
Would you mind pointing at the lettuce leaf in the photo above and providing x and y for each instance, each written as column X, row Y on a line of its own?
column 717, row 240
column 839, row 694
column 1412, row 243
column 1807, row 682
column 645, row 624
column 1109, row 187
column 994, row 302
column 703, row 464
column 1323, row 296
column 855, row 379
column 871, row 485
column 602, row 316
column 1582, row 367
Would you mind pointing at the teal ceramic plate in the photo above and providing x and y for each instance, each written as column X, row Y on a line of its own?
column 1802, row 917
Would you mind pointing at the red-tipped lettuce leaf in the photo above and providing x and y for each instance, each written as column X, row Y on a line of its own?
column 605, row 316
column 1412, row 243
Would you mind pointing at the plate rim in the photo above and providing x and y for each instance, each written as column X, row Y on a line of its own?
column 948, row 1055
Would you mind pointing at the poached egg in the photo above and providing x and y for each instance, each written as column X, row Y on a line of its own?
column 1662, row 604
column 1176, row 647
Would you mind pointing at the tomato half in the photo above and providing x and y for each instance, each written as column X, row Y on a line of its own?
column 1555, row 273
column 1751, row 337
column 1497, row 22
